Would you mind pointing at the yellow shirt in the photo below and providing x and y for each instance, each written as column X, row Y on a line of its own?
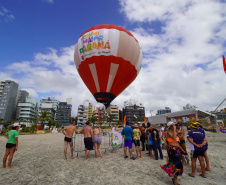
column 136, row 135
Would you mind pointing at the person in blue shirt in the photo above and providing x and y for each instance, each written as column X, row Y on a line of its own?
column 127, row 133
column 150, row 143
column 197, row 138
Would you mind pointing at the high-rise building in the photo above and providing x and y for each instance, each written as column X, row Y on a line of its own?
column 101, row 114
column 22, row 95
column 50, row 105
column 8, row 100
column 114, row 112
column 27, row 111
column 82, row 116
column 133, row 111
column 63, row 115
column 163, row 111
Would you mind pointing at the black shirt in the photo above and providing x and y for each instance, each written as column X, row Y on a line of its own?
column 157, row 135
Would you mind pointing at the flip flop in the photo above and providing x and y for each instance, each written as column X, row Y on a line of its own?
column 202, row 176
column 199, row 170
column 191, row 175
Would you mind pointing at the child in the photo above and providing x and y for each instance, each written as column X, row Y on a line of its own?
column 150, row 143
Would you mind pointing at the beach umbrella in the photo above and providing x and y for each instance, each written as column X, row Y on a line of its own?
column 108, row 59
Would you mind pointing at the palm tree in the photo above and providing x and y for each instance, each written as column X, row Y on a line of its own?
column 93, row 119
column 110, row 119
column 43, row 118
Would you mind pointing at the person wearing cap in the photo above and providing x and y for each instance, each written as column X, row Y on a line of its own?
column 180, row 134
column 136, row 138
column 174, row 167
column 11, row 145
column 115, row 129
column 197, row 139
column 97, row 139
column 205, row 154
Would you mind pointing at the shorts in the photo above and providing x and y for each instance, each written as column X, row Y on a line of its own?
column 10, row 145
column 182, row 141
column 151, row 147
column 88, row 143
column 137, row 142
column 128, row 143
column 67, row 139
column 96, row 139
column 197, row 153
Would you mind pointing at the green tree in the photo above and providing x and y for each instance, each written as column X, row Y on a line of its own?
column 119, row 122
column 110, row 119
column 93, row 119
column 44, row 118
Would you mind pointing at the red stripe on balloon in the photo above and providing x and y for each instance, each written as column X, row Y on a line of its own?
column 125, row 75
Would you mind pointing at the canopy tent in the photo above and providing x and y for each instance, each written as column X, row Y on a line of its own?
column 181, row 116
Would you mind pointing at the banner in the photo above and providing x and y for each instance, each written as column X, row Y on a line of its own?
column 116, row 138
column 184, row 119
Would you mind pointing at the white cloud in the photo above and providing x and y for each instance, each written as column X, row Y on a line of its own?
column 183, row 62
column 6, row 15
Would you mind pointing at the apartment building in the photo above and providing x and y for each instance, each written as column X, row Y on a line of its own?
column 8, row 100
column 133, row 111
column 63, row 115
column 114, row 112
column 27, row 111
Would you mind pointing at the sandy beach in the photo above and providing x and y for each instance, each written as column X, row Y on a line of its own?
column 40, row 160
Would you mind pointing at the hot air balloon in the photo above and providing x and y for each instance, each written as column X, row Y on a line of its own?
column 108, row 59
column 224, row 64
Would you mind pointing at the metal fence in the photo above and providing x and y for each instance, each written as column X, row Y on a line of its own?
column 79, row 146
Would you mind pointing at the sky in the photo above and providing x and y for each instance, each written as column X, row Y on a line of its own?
column 182, row 44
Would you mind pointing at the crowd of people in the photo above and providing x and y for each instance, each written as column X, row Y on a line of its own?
column 173, row 136
column 138, row 138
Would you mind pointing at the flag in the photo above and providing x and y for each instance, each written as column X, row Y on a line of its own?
column 135, row 116
column 224, row 64
column 145, row 120
column 124, row 120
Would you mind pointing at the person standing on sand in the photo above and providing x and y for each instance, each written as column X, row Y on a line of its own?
column 88, row 138
column 180, row 134
column 142, row 137
column 196, row 138
column 11, row 145
column 97, row 139
column 136, row 138
column 205, row 154
column 68, row 138
column 115, row 129
column 174, row 167
column 127, row 132
column 150, row 143
column 156, row 142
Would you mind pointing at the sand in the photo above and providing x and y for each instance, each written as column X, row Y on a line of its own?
column 40, row 160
